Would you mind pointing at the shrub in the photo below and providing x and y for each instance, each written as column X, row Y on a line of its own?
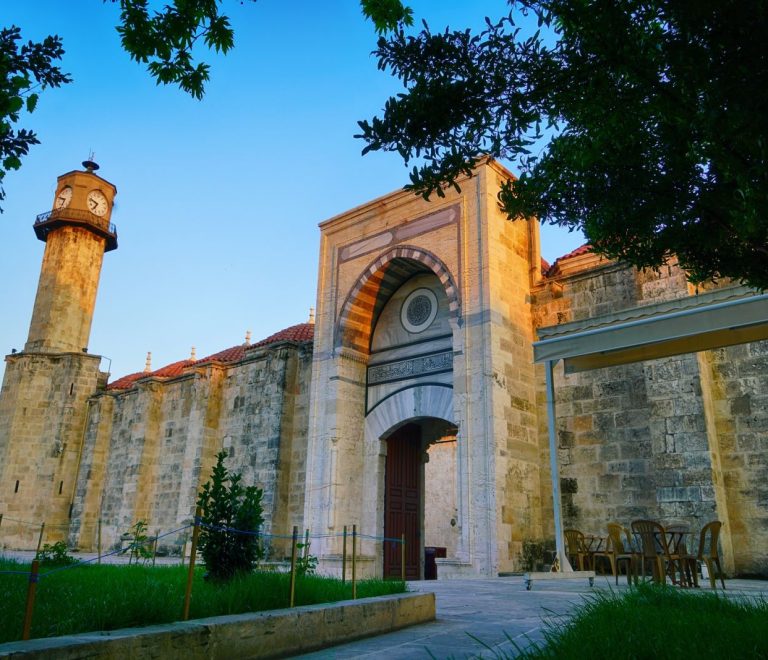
column 536, row 554
column 228, row 509
column 306, row 564
column 55, row 555
column 140, row 547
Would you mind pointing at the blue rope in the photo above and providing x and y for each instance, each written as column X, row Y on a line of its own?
column 83, row 562
column 379, row 538
column 23, row 522
column 175, row 531
column 218, row 528
column 15, row 573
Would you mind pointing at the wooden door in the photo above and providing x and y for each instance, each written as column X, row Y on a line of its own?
column 402, row 506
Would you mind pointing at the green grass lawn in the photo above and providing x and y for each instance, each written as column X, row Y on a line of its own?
column 92, row 597
column 655, row 622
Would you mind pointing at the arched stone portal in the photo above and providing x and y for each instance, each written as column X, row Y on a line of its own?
column 422, row 314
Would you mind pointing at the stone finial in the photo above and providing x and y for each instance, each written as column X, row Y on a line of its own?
column 247, row 337
column 148, row 363
column 193, row 354
column 311, row 316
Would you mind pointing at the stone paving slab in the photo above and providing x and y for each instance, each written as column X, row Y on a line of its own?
column 493, row 611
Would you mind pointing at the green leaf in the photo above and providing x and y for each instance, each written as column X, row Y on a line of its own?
column 11, row 163
column 32, row 102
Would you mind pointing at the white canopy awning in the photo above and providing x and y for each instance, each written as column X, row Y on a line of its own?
column 714, row 319
column 723, row 317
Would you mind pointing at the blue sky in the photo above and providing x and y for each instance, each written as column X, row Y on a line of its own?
column 218, row 200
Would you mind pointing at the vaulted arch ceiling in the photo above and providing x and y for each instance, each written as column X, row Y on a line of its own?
column 378, row 282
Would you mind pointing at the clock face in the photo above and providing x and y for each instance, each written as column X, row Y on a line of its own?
column 63, row 198
column 97, row 203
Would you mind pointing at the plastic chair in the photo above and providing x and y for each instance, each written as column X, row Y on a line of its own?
column 576, row 547
column 711, row 558
column 619, row 549
column 689, row 572
column 654, row 548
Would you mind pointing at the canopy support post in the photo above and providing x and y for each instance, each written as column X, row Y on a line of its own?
column 554, row 466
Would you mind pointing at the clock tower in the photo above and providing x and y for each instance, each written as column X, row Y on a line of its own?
column 44, row 398
column 77, row 232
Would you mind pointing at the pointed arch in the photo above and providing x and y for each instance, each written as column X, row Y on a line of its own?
column 378, row 282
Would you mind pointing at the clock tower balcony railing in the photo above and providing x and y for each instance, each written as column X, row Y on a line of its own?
column 45, row 223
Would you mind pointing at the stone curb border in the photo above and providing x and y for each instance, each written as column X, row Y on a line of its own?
column 277, row 633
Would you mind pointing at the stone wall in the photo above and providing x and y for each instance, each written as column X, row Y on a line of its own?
column 148, row 449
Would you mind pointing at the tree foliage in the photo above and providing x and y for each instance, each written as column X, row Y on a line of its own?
column 165, row 40
column 232, row 516
column 25, row 70
column 653, row 113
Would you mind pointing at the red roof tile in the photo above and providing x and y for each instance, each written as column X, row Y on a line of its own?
column 232, row 354
column 298, row 333
column 126, row 382
column 582, row 249
column 302, row 332
column 168, row 371
column 544, row 266
column 171, row 370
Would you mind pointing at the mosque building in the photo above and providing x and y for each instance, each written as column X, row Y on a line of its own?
column 409, row 405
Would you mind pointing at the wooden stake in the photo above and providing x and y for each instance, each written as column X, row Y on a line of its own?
column 293, row 562
column 33, row 578
column 154, row 551
column 402, row 556
column 40, row 538
column 344, row 557
column 306, row 545
column 354, row 562
column 191, row 572
column 98, row 542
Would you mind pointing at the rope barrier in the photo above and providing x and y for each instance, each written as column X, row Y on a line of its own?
column 379, row 538
column 23, row 522
column 14, row 572
column 234, row 530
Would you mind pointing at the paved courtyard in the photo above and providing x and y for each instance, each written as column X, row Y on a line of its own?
column 499, row 613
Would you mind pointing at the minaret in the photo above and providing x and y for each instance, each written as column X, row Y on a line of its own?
column 77, row 232
column 44, row 398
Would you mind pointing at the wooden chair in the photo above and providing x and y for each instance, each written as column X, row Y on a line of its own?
column 576, row 547
column 655, row 549
column 618, row 549
column 711, row 557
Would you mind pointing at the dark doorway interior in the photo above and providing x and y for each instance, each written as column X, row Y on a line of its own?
column 402, row 508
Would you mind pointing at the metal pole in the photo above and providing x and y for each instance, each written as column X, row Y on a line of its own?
column 354, row 562
column 40, row 538
column 554, row 466
column 33, row 578
column 98, row 542
column 344, row 557
column 293, row 563
column 402, row 556
column 154, row 551
column 191, row 572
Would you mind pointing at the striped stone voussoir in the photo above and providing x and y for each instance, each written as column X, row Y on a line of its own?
column 378, row 282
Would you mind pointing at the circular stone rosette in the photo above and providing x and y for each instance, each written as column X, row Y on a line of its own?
column 419, row 310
